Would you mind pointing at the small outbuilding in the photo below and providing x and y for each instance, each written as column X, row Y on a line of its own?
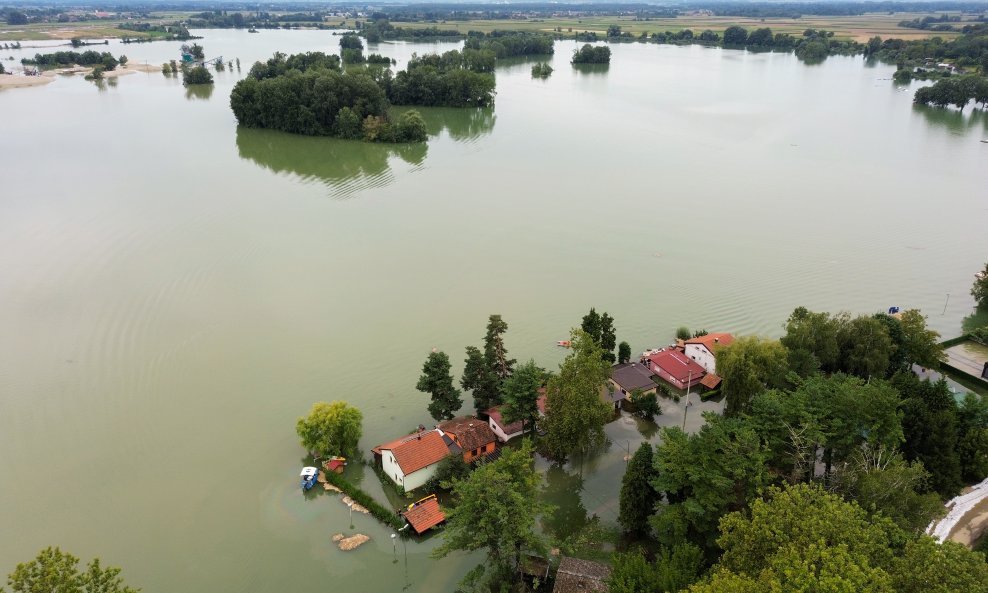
column 424, row 514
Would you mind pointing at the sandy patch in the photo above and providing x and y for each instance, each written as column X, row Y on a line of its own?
column 150, row 68
column 967, row 516
column 972, row 525
column 13, row 81
column 350, row 502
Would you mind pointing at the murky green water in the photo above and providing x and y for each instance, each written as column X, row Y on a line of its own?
column 174, row 291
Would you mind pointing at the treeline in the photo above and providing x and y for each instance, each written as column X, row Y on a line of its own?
column 453, row 79
column 222, row 19
column 956, row 91
column 380, row 29
column 69, row 58
column 307, row 94
column 968, row 50
column 932, row 23
column 506, row 44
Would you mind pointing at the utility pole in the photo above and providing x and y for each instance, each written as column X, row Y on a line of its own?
column 687, row 407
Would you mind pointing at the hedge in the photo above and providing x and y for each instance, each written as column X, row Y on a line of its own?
column 386, row 516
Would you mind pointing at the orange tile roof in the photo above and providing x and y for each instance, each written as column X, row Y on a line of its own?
column 470, row 433
column 709, row 341
column 710, row 381
column 424, row 515
column 415, row 451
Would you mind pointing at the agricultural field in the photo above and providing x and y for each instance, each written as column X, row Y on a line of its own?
column 858, row 28
column 95, row 29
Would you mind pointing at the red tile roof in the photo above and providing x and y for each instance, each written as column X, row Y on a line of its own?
column 541, row 401
column 677, row 364
column 710, row 381
column 509, row 429
column 710, row 341
column 424, row 515
column 415, row 451
column 469, row 433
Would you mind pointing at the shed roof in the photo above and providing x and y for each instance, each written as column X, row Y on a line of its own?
column 710, row 381
column 577, row 576
column 424, row 515
column 470, row 433
column 677, row 364
column 632, row 375
column 415, row 451
column 498, row 418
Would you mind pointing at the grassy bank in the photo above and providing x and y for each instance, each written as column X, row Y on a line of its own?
column 382, row 513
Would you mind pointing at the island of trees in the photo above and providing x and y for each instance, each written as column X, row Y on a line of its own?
column 311, row 94
column 589, row 54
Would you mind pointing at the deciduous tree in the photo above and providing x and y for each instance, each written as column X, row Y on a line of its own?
column 521, row 394
column 495, row 509
column 979, row 290
column 576, row 415
column 330, row 429
column 748, row 366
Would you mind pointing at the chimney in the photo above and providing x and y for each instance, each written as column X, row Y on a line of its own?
column 716, row 340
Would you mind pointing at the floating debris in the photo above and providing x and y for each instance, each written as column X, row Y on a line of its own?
column 350, row 502
column 354, row 541
column 330, row 488
column 337, row 537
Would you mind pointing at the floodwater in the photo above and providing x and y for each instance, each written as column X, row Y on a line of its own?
column 175, row 291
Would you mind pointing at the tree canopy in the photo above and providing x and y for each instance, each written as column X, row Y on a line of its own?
column 494, row 509
column 748, row 366
column 575, row 412
column 54, row 571
column 330, row 429
column 979, row 290
column 437, row 381
column 521, row 394
column 638, row 497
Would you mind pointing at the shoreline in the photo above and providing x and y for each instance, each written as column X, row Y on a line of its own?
column 15, row 81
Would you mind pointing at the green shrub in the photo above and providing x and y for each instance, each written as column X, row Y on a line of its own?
column 381, row 512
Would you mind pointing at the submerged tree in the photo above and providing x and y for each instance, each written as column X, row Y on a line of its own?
column 54, row 571
column 576, row 414
column 748, row 366
column 521, row 394
column 437, row 381
column 600, row 328
column 330, row 429
column 494, row 509
column 979, row 290
column 485, row 372
column 638, row 497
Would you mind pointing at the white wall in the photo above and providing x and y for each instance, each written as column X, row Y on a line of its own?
column 413, row 480
column 702, row 356
column 504, row 438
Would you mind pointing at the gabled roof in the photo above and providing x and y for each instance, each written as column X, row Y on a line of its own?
column 424, row 515
column 677, row 364
column 631, row 375
column 710, row 381
column 710, row 341
column 415, row 451
column 470, row 433
column 576, row 575
column 509, row 429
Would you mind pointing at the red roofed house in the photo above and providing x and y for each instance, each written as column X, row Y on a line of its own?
column 472, row 435
column 675, row 368
column 424, row 514
column 411, row 461
column 703, row 349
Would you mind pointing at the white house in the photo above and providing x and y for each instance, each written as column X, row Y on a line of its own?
column 702, row 349
column 505, row 432
column 411, row 461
